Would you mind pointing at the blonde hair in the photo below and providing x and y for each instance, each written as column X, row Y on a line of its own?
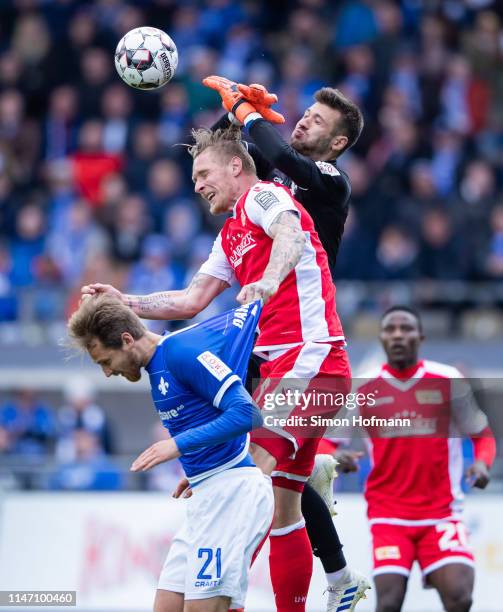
column 227, row 144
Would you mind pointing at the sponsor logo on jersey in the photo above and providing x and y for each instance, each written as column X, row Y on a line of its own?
column 166, row 415
column 215, row 366
column 429, row 396
column 247, row 243
column 240, row 315
column 387, row 552
column 163, row 386
column 384, row 400
column 266, row 199
column 326, row 168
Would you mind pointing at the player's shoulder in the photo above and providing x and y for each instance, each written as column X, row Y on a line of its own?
column 368, row 376
column 267, row 194
column 328, row 168
column 442, row 370
column 181, row 344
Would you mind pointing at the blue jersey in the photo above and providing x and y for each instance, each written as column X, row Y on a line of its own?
column 194, row 374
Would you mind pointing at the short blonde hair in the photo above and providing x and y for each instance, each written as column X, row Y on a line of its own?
column 227, row 143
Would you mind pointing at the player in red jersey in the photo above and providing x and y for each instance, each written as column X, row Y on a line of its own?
column 413, row 490
column 270, row 246
column 308, row 166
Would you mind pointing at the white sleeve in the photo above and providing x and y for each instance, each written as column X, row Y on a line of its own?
column 265, row 202
column 217, row 264
column 467, row 415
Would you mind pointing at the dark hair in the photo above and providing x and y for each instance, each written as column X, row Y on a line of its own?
column 105, row 318
column 401, row 308
column 226, row 142
column 351, row 122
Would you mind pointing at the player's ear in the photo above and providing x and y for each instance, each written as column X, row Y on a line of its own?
column 236, row 166
column 338, row 143
column 127, row 340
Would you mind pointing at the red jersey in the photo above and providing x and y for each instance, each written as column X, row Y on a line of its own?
column 303, row 308
column 417, row 470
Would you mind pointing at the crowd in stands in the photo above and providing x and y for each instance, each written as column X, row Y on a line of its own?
column 94, row 187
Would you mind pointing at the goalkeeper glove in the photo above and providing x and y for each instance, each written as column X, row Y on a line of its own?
column 234, row 101
column 262, row 100
column 232, row 98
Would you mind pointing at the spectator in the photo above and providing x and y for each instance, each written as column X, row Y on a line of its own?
column 90, row 470
column 164, row 185
column 60, row 130
column 30, row 424
column 128, row 228
column 396, row 255
column 116, row 110
column 144, row 152
column 28, row 245
column 441, row 253
column 91, row 164
column 494, row 256
column 76, row 238
column 80, row 411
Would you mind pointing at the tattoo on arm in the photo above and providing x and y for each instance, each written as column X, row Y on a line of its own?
column 287, row 247
column 152, row 306
column 169, row 305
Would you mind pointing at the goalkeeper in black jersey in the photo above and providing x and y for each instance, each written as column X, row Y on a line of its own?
column 308, row 166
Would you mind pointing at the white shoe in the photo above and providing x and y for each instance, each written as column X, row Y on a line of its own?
column 344, row 598
column 322, row 479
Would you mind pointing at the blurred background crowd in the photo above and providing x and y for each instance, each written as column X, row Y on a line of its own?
column 94, row 185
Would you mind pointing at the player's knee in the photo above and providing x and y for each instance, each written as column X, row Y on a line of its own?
column 457, row 599
column 286, row 507
column 389, row 604
column 390, row 600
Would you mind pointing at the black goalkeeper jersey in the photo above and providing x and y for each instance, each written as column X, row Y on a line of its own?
column 321, row 187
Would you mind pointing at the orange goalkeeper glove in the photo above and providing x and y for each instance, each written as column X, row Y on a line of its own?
column 232, row 99
column 262, row 100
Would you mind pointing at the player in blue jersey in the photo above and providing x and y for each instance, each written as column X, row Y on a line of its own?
column 196, row 378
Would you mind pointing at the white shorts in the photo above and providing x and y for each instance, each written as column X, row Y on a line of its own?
column 228, row 516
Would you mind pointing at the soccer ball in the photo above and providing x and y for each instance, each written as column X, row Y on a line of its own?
column 146, row 58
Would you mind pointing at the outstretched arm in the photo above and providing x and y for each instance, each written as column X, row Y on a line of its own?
column 168, row 305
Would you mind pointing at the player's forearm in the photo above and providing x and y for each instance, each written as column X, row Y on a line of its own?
column 163, row 305
column 240, row 415
column 484, row 446
column 287, row 248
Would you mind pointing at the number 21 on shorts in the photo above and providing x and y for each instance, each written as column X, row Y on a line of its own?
column 207, row 555
column 453, row 536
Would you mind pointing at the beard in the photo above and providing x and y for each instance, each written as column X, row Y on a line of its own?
column 310, row 149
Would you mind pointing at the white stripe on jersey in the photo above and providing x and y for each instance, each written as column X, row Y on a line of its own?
column 218, row 397
column 455, row 451
column 310, row 291
column 309, row 361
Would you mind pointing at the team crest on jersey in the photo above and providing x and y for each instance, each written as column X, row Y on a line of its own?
column 215, row 366
column 326, row 168
column 429, row 396
column 163, row 386
column 266, row 199
column 247, row 243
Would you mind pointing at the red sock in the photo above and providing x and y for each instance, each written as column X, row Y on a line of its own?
column 291, row 567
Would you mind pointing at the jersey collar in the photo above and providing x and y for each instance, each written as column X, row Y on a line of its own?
column 403, row 379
